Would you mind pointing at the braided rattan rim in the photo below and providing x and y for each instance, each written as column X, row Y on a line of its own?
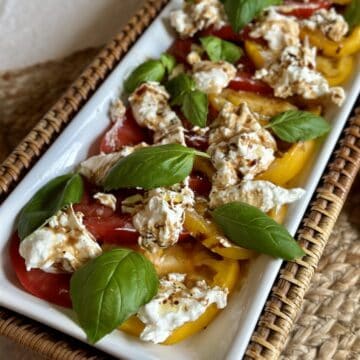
column 287, row 294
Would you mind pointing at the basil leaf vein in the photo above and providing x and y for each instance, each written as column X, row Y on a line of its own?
column 109, row 289
column 249, row 227
column 218, row 49
column 152, row 167
column 150, row 70
column 293, row 126
column 241, row 12
column 57, row 193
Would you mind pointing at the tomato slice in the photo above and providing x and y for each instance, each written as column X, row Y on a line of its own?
column 124, row 132
column 305, row 10
column 50, row 287
column 200, row 184
column 244, row 81
column 198, row 142
column 225, row 33
column 180, row 49
column 116, row 229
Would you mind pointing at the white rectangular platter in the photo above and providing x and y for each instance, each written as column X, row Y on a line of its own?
column 227, row 336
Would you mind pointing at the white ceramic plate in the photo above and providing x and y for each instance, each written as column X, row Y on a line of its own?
column 227, row 336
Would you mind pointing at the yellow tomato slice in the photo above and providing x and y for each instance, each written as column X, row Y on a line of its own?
column 278, row 215
column 348, row 46
column 287, row 167
column 255, row 52
column 198, row 263
column 336, row 71
column 212, row 238
column 266, row 106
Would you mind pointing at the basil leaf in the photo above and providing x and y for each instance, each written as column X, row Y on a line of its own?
column 152, row 167
column 57, row 193
column 241, row 12
column 195, row 107
column 194, row 103
column 109, row 289
column 352, row 13
column 293, row 126
column 178, row 86
column 168, row 61
column 218, row 49
column 250, row 228
column 151, row 70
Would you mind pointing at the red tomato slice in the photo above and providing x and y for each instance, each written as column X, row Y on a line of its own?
column 244, row 81
column 115, row 229
column 180, row 49
column 200, row 185
column 225, row 33
column 124, row 132
column 305, row 10
column 198, row 142
column 107, row 225
column 50, row 287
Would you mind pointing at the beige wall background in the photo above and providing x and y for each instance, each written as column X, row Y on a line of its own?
column 32, row 31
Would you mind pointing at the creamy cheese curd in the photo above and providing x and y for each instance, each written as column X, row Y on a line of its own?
column 329, row 22
column 62, row 244
column 117, row 116
column 295, row 74
column 176, row 304
column 278, row 30
column 259, row 193
column 213, row 77
column 105, row 199
column 195, row 54
column 149, row 103
column 160, row 218
column 239, row 145
column 197, row 15
column 97, row 167
column 117, row 110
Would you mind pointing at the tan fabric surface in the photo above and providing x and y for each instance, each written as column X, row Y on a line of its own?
column 329, row 326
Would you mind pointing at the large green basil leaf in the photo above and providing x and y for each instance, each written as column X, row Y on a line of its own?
column 195, row 107
column 151, row 70
column 57, row 193
column 293, row 126
column 241, row 12
column 218, row 49
column 110, row 288
column 152, row 167
column 193, row 103
column 178, row 87
column 249, row 227
column 168, row 61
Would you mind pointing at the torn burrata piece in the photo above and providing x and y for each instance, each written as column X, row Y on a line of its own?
column 259, row 193
column 62, row 244
column 176, row 304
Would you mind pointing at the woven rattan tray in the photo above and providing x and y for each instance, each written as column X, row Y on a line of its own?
column 285, row 300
